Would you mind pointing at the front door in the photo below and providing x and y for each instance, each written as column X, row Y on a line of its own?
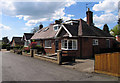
column 56, row 45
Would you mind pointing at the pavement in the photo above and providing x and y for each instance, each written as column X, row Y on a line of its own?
column 22, row 68
column 83, row 65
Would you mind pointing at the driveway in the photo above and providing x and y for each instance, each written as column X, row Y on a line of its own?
column 83, row 65
column 22, row 68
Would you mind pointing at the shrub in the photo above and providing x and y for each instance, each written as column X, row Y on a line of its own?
column 33, row 45
column 39, row 48
column 4, row 46
column 18, row 47
column 8, row 48
column 109, row 50
column 26, row 49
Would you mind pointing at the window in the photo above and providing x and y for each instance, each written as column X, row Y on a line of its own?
column 107, row 43
column 47, row 43
column 95, row 41
column 69, row 44
column 64, row 44
column 38, row 42
column 56, row 27
column 27, row 43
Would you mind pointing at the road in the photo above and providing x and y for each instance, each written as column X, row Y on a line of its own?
column 23, row 68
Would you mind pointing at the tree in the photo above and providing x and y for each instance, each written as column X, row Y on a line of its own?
column 59, row 21
column 116, row 30
column 35, row 29
column 106, row 28
column 5, row 40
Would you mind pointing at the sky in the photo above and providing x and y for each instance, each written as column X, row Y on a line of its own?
column 18, row 17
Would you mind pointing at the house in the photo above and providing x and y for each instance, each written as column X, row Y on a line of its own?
column 16, row 41
column 74, row 37
column 26, row 38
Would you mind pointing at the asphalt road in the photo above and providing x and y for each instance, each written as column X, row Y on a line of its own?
column 22, row 68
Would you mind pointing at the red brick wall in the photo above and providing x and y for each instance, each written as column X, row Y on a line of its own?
column 50, row 50
column 87, row 48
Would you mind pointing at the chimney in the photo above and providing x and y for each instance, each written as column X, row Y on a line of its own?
column 40, row 26
column 89, row 17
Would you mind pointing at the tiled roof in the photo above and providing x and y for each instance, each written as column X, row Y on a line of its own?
column 85, row 30
column 80, row 29
column 73, row 29
column 44, row 33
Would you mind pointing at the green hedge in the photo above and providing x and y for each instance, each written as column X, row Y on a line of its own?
column 5, row 46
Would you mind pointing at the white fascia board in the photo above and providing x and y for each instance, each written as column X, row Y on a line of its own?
column 70, row 35
column 58, row 31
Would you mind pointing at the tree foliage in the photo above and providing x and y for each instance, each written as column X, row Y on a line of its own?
column 5, row 40
column 59, row 21
column 35, row 29
column 116, row 30
column 106, row 28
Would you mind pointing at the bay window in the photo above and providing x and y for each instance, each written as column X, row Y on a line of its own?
column 69, row 44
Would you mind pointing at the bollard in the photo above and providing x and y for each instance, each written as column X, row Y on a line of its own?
column 33, row 52
column 59, row 57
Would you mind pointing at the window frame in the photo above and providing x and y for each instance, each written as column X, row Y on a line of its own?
column 94, row 44
column 67, row 44
column 50, row 44
column 57, row 25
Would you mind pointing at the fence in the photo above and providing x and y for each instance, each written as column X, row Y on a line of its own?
column 108, row 63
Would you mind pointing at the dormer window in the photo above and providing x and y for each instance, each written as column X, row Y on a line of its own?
column 56, row 27
column 71, row 22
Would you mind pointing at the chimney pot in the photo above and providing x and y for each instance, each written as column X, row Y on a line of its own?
column 40, row 26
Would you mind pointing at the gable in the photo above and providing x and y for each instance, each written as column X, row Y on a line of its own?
column 63, row 33
column 13, row 43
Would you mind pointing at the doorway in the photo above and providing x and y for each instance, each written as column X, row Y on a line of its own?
column 56, row 45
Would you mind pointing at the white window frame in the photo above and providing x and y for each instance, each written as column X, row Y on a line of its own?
column 58, row 26
column 67, row 44
column 96, row 43
column 50, row 44
column 27, row 42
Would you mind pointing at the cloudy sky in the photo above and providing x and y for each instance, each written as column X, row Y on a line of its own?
column 18, row 17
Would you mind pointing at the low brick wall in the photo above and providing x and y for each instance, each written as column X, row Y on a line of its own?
column 108, row 63
column 3, row 49
column 46, row 59
column 12, row 51
column 26, row 54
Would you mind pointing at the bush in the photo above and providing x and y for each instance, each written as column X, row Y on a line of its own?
column 4, row 46
column 26, row 49
column 8, row 48
column 39, row 48
column 109, row 50
column 33, row 45
column 18, row 47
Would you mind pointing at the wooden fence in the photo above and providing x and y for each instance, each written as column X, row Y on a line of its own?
column 108, row 63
